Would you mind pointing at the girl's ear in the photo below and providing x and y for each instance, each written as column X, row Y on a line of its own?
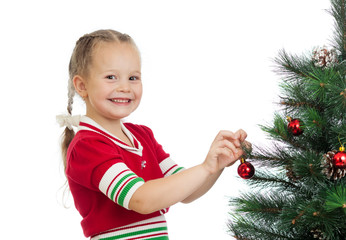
column 79, row 84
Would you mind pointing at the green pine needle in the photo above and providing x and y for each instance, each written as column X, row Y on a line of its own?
column 336, row 198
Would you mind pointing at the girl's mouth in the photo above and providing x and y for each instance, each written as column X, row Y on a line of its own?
column 117, row 100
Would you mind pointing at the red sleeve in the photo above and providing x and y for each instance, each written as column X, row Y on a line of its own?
column 95, row 163
column 88, row 158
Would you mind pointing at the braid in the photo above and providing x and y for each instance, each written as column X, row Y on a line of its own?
column 70, row 94
column 68, row 134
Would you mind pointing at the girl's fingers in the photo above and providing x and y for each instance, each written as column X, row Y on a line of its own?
column 241, row 134
column 232, row 142
column 226, row 144
column 233, row 150
column 247, row 145
column 226, row 152
column 225, row 134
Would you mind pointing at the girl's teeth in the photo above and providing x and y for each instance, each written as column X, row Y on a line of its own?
column 120, row 100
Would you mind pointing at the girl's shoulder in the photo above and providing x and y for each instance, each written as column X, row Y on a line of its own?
column 89, row 138
column 89, row 135
column 136, row 127
column 139, row 130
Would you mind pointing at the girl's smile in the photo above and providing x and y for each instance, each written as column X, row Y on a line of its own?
column 117, row 100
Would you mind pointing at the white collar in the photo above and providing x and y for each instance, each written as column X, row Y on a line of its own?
column 87, row 123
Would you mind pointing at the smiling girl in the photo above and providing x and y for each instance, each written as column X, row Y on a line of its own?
column 121, row 179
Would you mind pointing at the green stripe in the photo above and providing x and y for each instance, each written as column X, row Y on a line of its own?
column 177, row 170
column 159, row 238
column 153, row 230
column 127, row 188
column 119, row 183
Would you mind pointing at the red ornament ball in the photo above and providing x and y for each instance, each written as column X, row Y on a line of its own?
column 246, row 170
column 339, row 159
column 295, row 126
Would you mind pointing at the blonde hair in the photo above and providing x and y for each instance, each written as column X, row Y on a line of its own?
column 79, row 63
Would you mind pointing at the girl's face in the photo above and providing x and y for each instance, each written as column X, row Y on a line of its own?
column 113, row 88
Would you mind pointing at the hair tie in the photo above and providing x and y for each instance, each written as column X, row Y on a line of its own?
column 67, row 120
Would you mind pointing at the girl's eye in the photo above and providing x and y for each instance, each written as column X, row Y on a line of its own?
column 111, row 77
column 133, row 78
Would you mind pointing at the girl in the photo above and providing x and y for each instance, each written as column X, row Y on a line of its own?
column 121, row 179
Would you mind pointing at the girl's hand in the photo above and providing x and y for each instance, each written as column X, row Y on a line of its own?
column 225, row 150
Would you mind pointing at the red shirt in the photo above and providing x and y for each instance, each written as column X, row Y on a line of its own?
column 103, row 173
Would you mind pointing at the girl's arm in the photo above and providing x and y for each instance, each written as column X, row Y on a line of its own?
column 204, row 188
column 191, row 183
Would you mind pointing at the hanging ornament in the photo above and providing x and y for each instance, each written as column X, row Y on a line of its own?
column 295, row 126
column 339, row 159
column 246, row 170
column 322, row 57
column 329, row 169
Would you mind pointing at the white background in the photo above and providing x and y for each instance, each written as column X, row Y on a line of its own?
column 207, row 66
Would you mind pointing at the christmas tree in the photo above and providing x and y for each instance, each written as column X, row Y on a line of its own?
column 299, row 188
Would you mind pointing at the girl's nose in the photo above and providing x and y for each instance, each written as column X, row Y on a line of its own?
column 123, row 86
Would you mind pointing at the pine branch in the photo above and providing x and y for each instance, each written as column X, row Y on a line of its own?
column 292, row 103
column 336, row 198
column 240, row 238
column 280, row 133
column 343, row 27
column 338, row 12
column 307, row 166
column 286, row 139
column 260, row 207
column 246, row 228
column 267, row 179
column 258, row 180
column 268, row 160
column 292, row 66
column 274, row 156
column 298, row 216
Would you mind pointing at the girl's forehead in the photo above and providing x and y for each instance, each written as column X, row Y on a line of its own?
column 107, row 54
column 121, row 47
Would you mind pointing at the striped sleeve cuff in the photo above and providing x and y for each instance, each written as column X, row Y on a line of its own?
column 169, row 167
column 119, row 183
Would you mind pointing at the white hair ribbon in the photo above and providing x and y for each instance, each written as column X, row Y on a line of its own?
column 67, row 120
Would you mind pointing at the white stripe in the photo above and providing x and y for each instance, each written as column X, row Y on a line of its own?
column 120, row 187
column 108, row 181
column 172, row 171
column 166, row 164
column 130, row 194
column 130, row 228
column 109, row 176
column 163, row 211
